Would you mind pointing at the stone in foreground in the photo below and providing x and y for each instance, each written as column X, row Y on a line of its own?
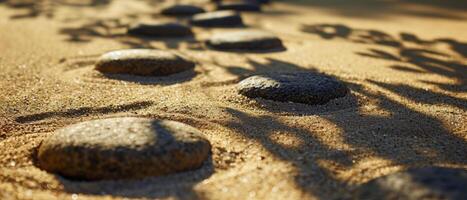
column 119, row 148
column 255, row 40
column 143, row 62
column 298, row 87
column 182, row 10
column 224, row 18
column 239, row 6
column 435, row 183
column 160, row 30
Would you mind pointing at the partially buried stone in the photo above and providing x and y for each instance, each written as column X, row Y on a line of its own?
column 160, row 30
column 245, row 40
column 143, row 62
column 182, row 10
column 239, row 6
column 435, row 183
column 224, row 18
column 299, row 87
column 119, row 148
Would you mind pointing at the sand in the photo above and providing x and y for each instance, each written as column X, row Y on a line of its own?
column 404, row 62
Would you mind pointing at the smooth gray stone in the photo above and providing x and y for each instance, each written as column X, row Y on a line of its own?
column 120, row 148
column 245, row 40
column 143, row 62
column 434, row 183
column 225, row 18
column 239, row 6
column 160, row 30
column 298, row 87
column 182, row 10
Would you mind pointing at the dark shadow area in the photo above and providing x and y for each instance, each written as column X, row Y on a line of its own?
column 154, row 80
column 85, row 111
column 406, row 137
column 380, row 9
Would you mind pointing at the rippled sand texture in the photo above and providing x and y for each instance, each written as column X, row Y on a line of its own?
column 404, row 62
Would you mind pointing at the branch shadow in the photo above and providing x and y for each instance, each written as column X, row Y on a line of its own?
column 85, row 111
column 381, row 9
column 47, row 8
column 116, row 29
column 422, row 57
column 406, row 136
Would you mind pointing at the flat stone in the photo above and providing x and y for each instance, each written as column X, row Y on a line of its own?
column 298, row 87
column 182, row 10
column 239, row 6
column 120, row 148
column 225, row 18
column 143, row 62
column 434, row 183
column 160, row 30
column 261, row 1
column 245, row 40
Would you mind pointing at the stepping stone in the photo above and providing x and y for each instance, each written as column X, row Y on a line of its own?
column 239, row 6
column 245, row 40
column 143, row 62
column 433, row 183
column 182, row 10
column 121, row 148
column 225, row 18
column 298, row 87
column 160, row 30
column 262, row 1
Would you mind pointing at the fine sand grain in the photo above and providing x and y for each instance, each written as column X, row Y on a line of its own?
column 404, row 64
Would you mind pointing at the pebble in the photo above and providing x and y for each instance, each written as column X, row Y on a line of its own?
column 298, row 87
column 245, row 40
column 226, row 18
column 433, row 183
column 123, row 148
column 182, row 10
column 239, row 6
column 160, row 30
column 143, row 62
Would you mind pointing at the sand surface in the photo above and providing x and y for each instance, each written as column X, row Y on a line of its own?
column 404, row 61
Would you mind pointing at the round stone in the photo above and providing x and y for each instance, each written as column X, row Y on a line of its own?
column 182, row 10
column 160, row 30
column 224, row 18
column 433, row 183
column 143, row 62
column 245, row 40
column 119, row 148
column 239, row 6
column 299, row 87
